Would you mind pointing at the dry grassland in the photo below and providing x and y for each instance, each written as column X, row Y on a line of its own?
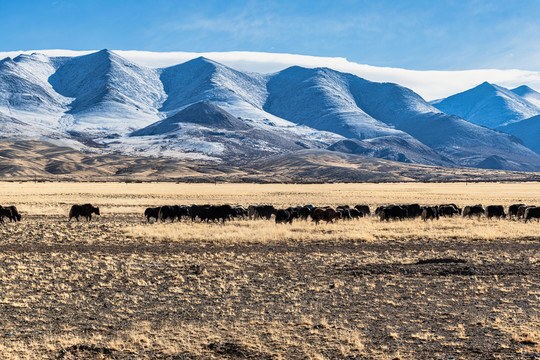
column 119, row 288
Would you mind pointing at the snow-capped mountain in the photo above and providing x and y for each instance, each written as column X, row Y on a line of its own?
column 527, row 130
column 204, row 109
column 528, row 94
column 491, row 105
column 108, row 93
column 321, row 99
column 203, row 79
column 205, row 126
column 25, row 92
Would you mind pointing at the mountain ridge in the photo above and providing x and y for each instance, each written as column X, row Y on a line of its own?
column 105, row 98
column 489, row 105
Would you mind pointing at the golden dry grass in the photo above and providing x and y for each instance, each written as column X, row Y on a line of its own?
column 119, row 288
column 365, row 229
column 37, row 198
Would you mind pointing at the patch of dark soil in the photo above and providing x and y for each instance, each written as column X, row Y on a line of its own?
column 441, row 268
column 87, row 351
column 528, row 342
column 184, row 356
column 234, row 350
column 440, row 261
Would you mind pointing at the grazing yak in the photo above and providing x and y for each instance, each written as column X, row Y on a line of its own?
column 513, row 210
column 10, row 212
column 5, row 212
column 295, row 211
column 413, row 210
column 166, row 212
column 199, row 211
column 495, row 211
column 304, row 212
column 221, row 212
column 170, row 212
column 379, row 209
column 449, row 210
column 330, row 214
column 14, row 213
column 475, row 210
column 285, row 216
column 261, row 211
column 532, row 212
column 430, row 213
column 521, row 211
column 355, row 214
column 85, row 210
column 327, row 214
column 393, row 212
column 363, row 209
column 241, row 212
column 344, row 213
column 152, row 213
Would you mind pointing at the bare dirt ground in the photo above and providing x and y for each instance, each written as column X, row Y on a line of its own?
column 108, row 290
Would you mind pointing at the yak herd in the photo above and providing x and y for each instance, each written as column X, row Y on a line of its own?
column 222, row 213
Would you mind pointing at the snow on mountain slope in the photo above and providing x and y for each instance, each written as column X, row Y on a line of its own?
column 395, row 148
column 206, row 129
column 204, row 79
column 202, row 113
column 241, row 94
column 528, row 94
column 321, row 99
column 527, row 130
column 468, row 144
column 99, row 98
column 464, row 143
column 109, row 93
column 25, row 92
column 488, row 105
column 12, row 128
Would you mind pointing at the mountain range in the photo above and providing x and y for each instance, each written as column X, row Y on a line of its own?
column 204, row 110
column 513, row 111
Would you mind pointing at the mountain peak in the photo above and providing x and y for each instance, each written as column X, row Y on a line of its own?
column 208, row 114
column 489, row 105
column 104, row 51
column 204, row 113
column 106, row 54
column 35, row 56
column 203, row 61
column 6, row 60
column 199, row 65
column 489, row 87
column 296, row 69
column 524, row 90
column 486, row 86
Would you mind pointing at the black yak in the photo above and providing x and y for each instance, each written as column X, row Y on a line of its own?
column 151, row 213
column 476, row 210
column 85, row 210
column 495, row 211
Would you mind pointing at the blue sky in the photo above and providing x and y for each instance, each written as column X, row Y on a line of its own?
column 421, row 35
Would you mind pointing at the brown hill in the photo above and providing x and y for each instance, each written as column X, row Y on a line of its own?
column 33, row 160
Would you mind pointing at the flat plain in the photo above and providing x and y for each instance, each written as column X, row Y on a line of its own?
column 118, row 287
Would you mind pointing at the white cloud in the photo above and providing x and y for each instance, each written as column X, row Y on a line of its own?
column 429, row 84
